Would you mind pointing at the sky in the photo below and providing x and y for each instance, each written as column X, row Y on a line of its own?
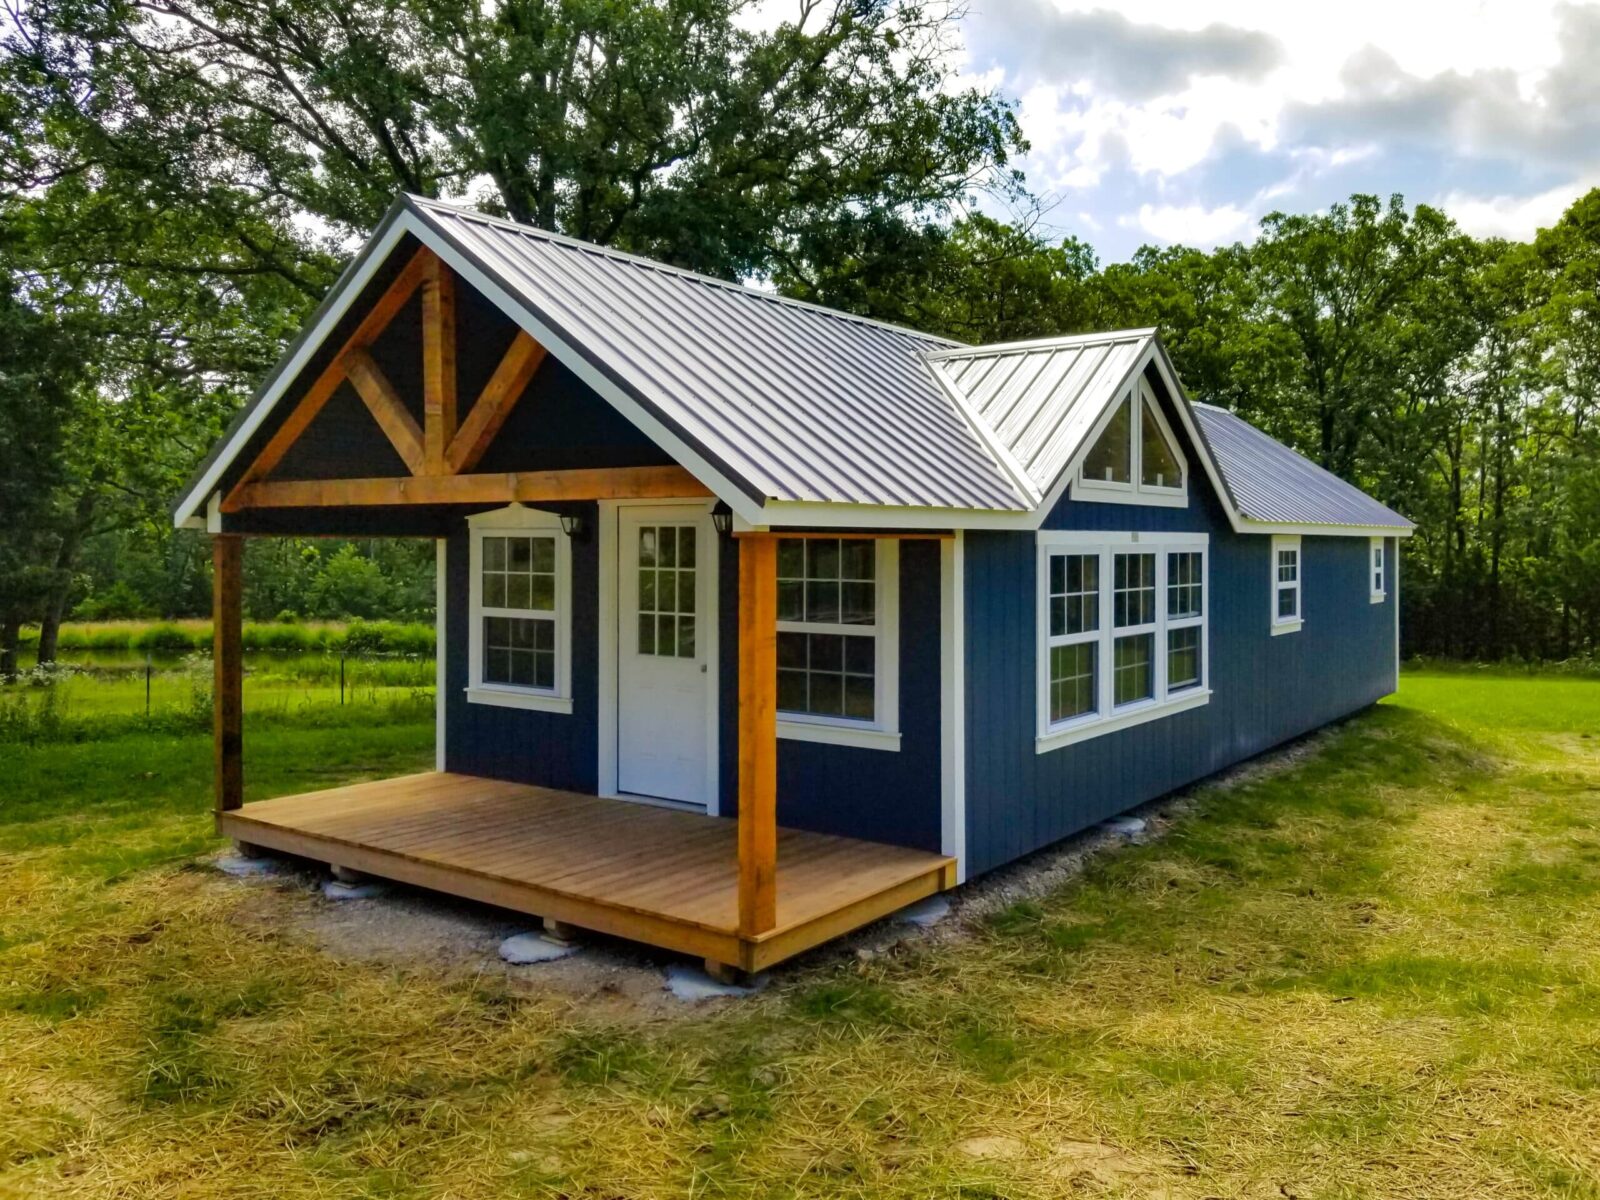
column 1159, row 121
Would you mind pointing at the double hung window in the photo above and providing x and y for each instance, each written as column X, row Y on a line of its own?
column 1286, row 584
column 1122, row 630
column 1376, row 553
column 519, row 630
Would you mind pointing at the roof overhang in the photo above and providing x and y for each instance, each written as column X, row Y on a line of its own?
column 405, row 219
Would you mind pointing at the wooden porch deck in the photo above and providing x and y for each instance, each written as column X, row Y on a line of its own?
column 649, row 874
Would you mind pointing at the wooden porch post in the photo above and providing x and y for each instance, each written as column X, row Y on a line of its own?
column 758, row 734
column 227, row 703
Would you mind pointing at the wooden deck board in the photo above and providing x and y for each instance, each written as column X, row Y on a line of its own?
column 652, row 874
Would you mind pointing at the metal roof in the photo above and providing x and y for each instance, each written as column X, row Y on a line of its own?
column 1039, row 400
column 782, row 401
column 793, row 401
column 1271, row 483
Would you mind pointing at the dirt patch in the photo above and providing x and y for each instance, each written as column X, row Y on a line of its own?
column 409, row 929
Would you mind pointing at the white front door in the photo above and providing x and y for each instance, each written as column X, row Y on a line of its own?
column 666, row 622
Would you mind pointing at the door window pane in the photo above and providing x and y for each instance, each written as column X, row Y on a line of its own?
column 667, row 583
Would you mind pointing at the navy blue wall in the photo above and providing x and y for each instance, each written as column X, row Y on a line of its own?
column 882, row 795
column 553, row 749
column 1266, row 689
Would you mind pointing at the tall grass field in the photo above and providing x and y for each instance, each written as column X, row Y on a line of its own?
column 1367, row 967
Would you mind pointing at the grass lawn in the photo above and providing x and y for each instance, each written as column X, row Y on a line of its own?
column 1374, row 973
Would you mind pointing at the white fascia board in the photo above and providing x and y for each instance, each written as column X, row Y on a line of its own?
column 808, row 514
column 349, row 288
column 1309, row 529
column 345, row 292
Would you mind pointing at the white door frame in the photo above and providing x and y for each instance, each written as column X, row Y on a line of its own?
column 610, row 548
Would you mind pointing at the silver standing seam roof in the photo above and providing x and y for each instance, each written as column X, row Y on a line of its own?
column 798, row 402
column 1270, row 482
column 792, row 402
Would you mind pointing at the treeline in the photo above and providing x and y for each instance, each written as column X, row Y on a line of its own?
column 1457, row 379
column 179, row 187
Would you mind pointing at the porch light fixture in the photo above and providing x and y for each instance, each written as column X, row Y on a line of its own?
column 722, row 518
column 572, row 525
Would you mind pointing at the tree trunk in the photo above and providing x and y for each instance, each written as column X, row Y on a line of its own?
column 10, row 641
column 55, row 605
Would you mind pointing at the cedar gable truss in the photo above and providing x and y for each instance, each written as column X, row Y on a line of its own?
column 441, row 455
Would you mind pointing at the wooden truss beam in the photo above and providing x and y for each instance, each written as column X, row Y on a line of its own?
column 387, row 409
column 603, row 483
column 324, row 386
column 500, row 395
column 438, row 362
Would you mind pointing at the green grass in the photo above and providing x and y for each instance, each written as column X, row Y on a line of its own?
column 1373, row 972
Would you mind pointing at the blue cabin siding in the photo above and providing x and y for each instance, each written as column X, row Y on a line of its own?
column 552, row 749
column 884, row 796
column 1265, row 689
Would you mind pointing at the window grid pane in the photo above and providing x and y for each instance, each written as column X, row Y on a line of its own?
column 519, row 651
column 1158, row 463
column 1073, row 680
column 833, row 582
column 1074, row 594
column 1134, row 590
column 667, row 591
column 1111, row 459
column 1133, row 674
column 1183, row 657
column 1184, row 584
column 519, row 573
column 827, row 675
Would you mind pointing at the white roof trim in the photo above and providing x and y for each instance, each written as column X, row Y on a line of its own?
column 1018, row 474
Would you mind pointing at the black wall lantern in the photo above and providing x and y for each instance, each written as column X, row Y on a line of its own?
column 722, row 518
column 572, row 525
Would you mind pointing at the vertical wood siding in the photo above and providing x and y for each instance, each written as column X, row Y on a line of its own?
column 1266, row 689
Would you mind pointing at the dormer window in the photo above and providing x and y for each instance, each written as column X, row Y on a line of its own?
column 1124, row 469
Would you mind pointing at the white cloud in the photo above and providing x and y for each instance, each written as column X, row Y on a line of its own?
column 1193, row 224
column 1186, row 120
column 1513, row 216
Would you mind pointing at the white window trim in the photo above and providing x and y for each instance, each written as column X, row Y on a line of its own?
column 501, row 522
column 1376, row 568
column 1288, row 541
column 1108, row 718
column 884, row 732
column 1101, row 491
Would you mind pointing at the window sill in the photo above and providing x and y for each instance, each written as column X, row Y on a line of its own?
column 515, row 698
column 1286, row 627
column 1378, row 597
column 1126, row 719
column 831, row 734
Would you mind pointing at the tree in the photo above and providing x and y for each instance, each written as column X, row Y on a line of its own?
column 667, row 128
column 37, row 381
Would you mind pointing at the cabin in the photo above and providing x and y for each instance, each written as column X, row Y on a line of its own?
column 759, row 621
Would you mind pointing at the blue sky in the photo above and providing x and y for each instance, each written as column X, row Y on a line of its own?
column 1170, row 122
